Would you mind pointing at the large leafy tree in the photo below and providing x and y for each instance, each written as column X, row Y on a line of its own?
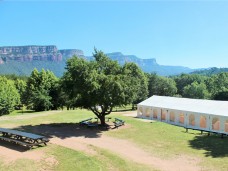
column 196, row 90
column 217, row 83
column 218, row 86
column 41, row 92
column 184, row 80
column 139, row 84
column 101, row 82
column 9, row 96
column 161, row 86
column 21, row 88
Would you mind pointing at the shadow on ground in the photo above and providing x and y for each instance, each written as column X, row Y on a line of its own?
column 13, row 146
column 26, row 111
column 214, row 145
column 63, row 130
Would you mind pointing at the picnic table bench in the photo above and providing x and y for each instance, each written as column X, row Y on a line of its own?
column 107, row 118
column 86, row 121
column 118, row 122
column 22, row 138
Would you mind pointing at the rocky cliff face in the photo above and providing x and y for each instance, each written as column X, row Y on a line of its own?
column 22, row 60
column 36, row 53
column 145, row 64
column 149, row 65
column 71, row 52
column 30, row 53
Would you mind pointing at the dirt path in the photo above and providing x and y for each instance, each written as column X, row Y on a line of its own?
column 128, row 150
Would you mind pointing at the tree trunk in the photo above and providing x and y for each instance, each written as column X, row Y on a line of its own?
column 102, row 119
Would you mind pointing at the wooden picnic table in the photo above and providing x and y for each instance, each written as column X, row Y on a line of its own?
column 118, row 122
column 107, row 118
column 22, row 138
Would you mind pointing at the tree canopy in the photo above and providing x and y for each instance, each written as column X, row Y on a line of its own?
column 196, row 91
column 101, row 84
column 161, row 86
column 9, row 96
column 139, row 84
column 39, row 88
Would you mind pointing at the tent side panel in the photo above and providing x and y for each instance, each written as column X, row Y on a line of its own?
column 191, row 120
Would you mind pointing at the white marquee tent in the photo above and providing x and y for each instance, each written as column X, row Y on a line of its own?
column 205, row 115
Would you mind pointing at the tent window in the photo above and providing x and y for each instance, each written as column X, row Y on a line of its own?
column 226, row 126
column 203, row 122
column 215, row 123
column 181, row 118
column 163, row 115
column 192, row 120
column 155, row 113
column 172, row 117
column 147, row 112
column 140, row 110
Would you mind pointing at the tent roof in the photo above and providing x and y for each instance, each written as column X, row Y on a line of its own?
column 191, row 105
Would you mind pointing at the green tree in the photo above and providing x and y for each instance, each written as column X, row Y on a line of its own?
column 217, row 83
column 196, row 90
column 161, row 86
column 41, row 100
column 222, row 95
column 139, row 84
column 9, row 96
column 101, row 82
column 42, row 90
column 21, row 88
column 184, row 80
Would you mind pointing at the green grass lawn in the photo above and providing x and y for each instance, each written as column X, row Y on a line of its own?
column 169, row 141
column 159, row 139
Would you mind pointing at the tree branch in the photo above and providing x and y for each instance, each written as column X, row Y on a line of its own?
column 94, row 110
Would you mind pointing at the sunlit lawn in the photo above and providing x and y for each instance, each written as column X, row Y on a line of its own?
column 159, row 139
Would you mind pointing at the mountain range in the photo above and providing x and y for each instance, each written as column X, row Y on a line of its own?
column 21, row 60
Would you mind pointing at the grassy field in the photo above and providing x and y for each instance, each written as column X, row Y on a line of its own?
column 159, row 139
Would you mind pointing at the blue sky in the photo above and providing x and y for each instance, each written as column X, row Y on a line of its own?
column 186, row 33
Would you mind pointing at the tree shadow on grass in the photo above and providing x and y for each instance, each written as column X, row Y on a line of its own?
column 63, row 130
column 213, row 145
column 26, row 111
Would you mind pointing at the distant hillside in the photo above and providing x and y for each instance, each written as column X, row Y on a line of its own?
column 21, row 60
column 210, row 71
column 149, row 65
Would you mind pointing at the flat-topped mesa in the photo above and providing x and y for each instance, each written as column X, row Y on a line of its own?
column 30, row 53
column 71, row 52
column 122, row 59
